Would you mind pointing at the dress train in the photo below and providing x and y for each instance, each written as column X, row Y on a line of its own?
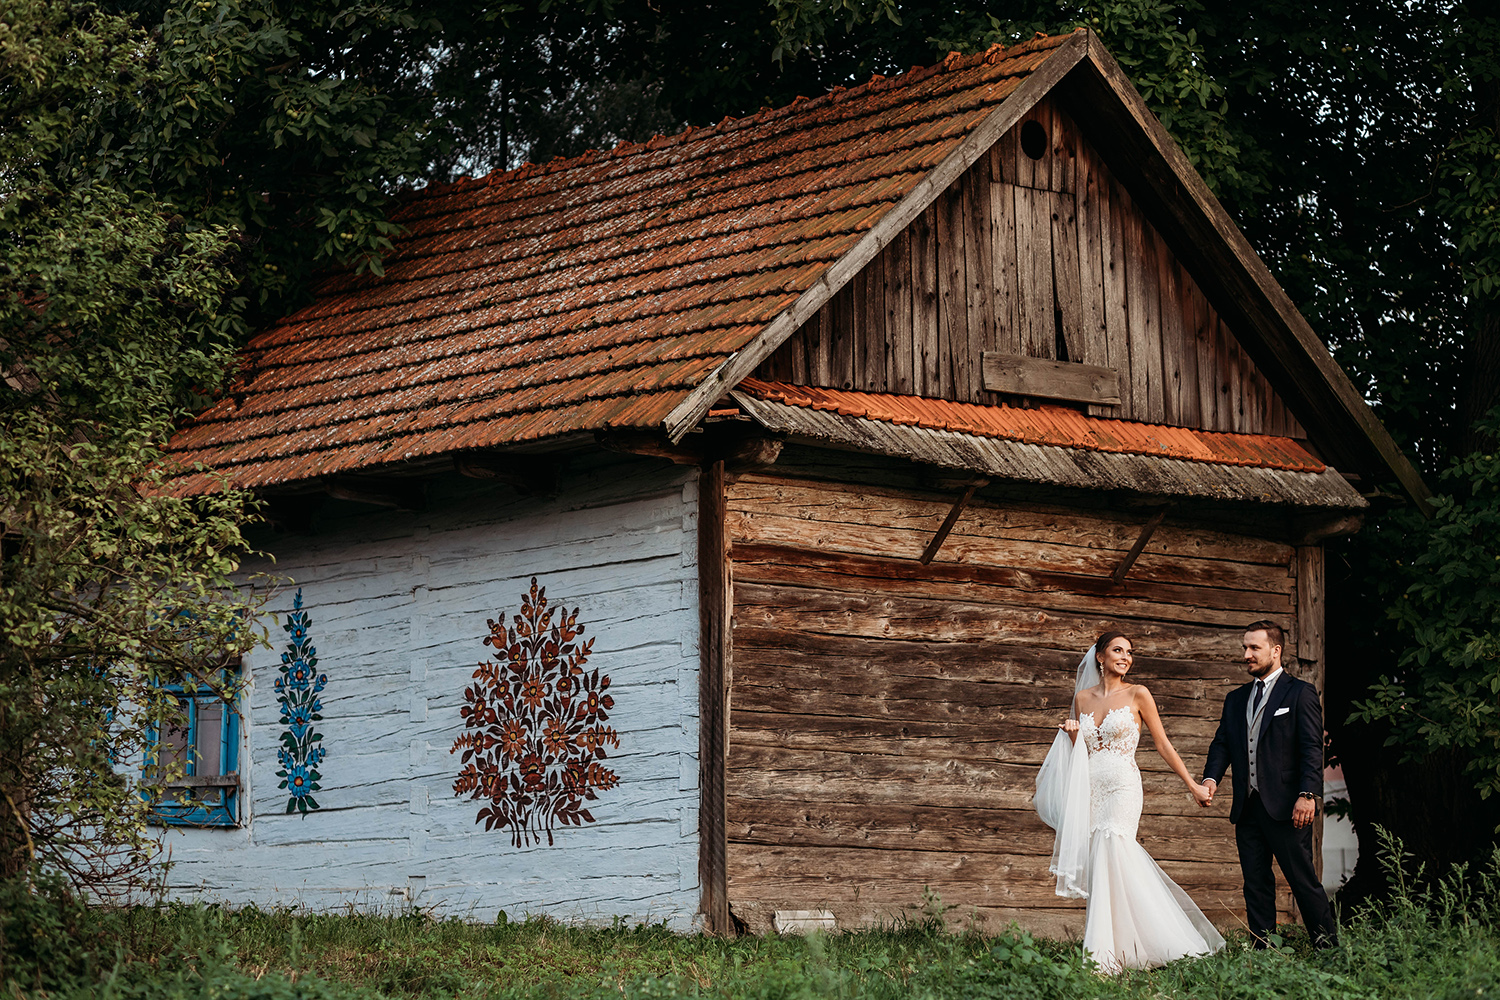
column 1137, row 916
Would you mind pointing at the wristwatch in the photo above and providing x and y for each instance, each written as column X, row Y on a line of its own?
column 1308, row 795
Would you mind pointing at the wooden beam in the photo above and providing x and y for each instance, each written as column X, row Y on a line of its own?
column 715, row 608
column 531, row 475
column 1147, row 530
column 952, row 519
column 652, row 445
column 976, row 144
column 740, row 451
column 1314, row 529
column 399, row 494
column 1026, row 376
column 231, row 780
column 751, row 453
column 291, row 512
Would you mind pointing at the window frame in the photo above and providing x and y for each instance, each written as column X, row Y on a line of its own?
column 192, row 810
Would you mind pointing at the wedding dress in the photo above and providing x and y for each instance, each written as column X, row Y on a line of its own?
column 1089, row 792
column 1137, row 916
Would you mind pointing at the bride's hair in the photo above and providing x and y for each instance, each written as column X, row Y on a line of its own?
column 1105, row 638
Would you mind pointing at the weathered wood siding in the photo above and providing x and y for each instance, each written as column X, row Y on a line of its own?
column 1047, row 258
column 398, row 605
column 888, row 718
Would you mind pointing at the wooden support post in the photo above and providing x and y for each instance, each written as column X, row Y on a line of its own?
column 1147, row 530
column 1309, row 634
column 949, row 521
column 1309, row 626
column 715, row 607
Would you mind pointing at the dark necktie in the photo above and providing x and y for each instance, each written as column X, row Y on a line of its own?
column 1260, row 692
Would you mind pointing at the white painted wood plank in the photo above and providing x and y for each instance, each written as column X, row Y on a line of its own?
column 398, row 604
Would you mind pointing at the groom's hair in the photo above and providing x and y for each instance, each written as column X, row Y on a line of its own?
column 1272, row 631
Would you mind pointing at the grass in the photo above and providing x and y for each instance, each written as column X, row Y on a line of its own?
column 1442, row 941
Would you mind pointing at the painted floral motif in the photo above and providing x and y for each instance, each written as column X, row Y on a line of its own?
column 297, row 689
column 536, row 721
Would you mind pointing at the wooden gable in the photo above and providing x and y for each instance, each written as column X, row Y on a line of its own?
column 1037, row 257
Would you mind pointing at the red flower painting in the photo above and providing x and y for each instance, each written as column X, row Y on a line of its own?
column 535, row 725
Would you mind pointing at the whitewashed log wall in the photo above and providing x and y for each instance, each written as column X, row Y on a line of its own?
column 398, row 605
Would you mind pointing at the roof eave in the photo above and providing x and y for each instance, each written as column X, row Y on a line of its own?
column 1057, row 464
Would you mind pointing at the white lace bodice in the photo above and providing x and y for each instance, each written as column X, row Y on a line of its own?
column 1117, row 734
column 1115, row 798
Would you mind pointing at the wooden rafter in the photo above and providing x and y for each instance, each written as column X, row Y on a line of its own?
column 952, row 519
column 531, row 475
column 1147, row 530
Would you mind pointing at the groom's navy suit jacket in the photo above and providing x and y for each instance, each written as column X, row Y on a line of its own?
column 1289, row 755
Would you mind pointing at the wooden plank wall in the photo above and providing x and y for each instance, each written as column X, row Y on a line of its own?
column 398, row 605
column 1048, row 258
column 888, row 719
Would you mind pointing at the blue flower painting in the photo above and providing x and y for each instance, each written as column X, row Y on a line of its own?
column 297, row 689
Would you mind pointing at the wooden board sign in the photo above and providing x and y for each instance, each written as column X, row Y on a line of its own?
column 1026, row 376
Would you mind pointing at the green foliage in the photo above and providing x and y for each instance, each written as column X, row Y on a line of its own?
column 192, row 980
column 1469, row 197
column 112, row 319
column 49, row 938
column 281, row 121
column 1446, row 693
column 1435, row 938
column 803, row 24
column 1468, row 193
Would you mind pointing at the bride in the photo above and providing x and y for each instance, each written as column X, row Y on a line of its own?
column 1089, row 791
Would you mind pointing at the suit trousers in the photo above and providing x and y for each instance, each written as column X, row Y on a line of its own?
column 1260, row 838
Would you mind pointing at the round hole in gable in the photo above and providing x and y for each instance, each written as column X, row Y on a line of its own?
column 1033, row 139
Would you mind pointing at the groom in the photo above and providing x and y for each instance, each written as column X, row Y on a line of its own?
column 1271, row 734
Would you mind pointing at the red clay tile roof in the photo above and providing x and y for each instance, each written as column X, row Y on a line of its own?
column 589, row 293
column 1047, row 425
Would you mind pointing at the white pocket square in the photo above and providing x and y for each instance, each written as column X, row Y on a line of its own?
column 1280, row 711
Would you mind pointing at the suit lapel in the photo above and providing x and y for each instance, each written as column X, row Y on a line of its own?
column 1239, row 701
column 1280, row 695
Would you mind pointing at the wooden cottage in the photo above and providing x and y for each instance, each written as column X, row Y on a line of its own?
column 708, row 529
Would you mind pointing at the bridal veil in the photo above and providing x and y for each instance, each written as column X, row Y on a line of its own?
column 1062, row 796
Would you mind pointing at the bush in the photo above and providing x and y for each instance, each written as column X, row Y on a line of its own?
column 50, row 940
